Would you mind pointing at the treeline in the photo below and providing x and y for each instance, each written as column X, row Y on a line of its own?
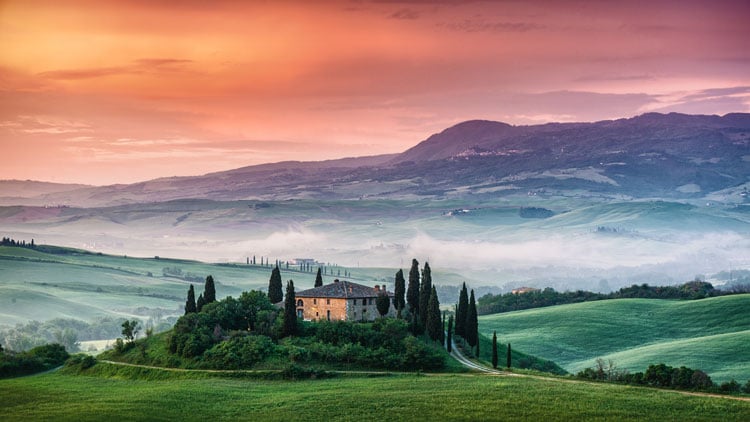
column 492, row 304
column 7, row 241
column 66, row 331
column 661, row 376
column 38, row 359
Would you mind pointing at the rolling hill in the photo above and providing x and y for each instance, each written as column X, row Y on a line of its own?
column 709, row 334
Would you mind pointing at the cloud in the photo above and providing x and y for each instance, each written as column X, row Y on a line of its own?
column 476, row 25
column 408, row 14
column 706, row 101
column 140, row 66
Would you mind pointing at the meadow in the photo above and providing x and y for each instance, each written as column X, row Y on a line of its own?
column 184, row 396
column 75, row 284
column 709, row 334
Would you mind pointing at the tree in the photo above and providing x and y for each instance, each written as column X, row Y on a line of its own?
column 472, row 324
column 209, row 291
column 290, row 310
column 433, row 324
column 130, row 329
column 425, row 290
column 442, row 331
column 199, row 303
column 494, row 349
column 412, row 292
column 507, row 357
column 383, row 303
column 399, row 290
column 190, row 302
column 461, row 311
column 449, row 339
column 318, row 279
column 275, row 294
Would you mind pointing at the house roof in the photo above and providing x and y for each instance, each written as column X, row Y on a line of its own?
column 341, row 289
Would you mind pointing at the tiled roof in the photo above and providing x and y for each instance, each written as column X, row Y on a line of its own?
column 341, row 289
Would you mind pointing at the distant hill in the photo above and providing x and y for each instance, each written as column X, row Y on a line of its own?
column 15, row 189
column 708, row 334
column 672, row 155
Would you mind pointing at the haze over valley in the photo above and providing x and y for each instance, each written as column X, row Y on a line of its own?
column 655, row 198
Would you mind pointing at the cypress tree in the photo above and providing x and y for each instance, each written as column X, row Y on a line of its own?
column 318, row 279
column 399, row 290
column 290, row 310
column 508, row 356
column 442, row 331
column 461, row 311
column 275, row 294
column 494, row 349
column 471, row 326
column 425, row 290
column 383, row 304
column 190, row 302
column 412, row 292
column 209, row 291
column 199, row 303
column 449, row 340
column 433, row 324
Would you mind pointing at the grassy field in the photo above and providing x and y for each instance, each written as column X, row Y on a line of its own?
column 58, row 396
column 41, row 286
column 709, row 334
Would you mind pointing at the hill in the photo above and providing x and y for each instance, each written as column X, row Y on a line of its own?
column 68, row 283
column 708, row 334
column 652, row 155
column 182, row 396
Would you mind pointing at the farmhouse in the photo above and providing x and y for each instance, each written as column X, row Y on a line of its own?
column 341, row 301
column 522, row 290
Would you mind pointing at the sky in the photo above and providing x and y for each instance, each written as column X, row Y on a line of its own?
column 102, row 92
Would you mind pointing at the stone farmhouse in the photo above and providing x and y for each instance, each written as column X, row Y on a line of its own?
column 341, row 301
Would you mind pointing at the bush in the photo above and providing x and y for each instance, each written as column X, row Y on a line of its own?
column 730, row 387
column 80, row 362
column 239, row 352
column 38, row 359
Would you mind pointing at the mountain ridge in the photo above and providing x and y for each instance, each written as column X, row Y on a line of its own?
column 651, row 155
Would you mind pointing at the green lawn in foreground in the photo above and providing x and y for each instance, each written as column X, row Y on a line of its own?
column 441, row 397
column 709, row 334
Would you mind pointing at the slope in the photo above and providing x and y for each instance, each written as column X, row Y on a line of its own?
column 709, row 334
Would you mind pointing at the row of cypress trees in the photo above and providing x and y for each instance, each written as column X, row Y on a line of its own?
column 467, row 323
column 208, row 296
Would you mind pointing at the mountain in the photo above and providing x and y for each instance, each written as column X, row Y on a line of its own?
column 31, row 188
column 672, row 155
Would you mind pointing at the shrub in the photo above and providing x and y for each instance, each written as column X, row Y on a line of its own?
column 239, row 352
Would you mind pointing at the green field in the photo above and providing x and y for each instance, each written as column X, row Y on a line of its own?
column 59, row 396
column 709, row 334
column 42, row 286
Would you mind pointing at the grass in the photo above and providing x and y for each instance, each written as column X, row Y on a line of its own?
column 710, row 334
column 69, row 284
column 59, row 396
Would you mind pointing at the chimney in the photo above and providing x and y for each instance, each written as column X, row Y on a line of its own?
column 336, row 280
column 377, row 287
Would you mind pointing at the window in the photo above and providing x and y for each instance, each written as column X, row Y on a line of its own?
column 364, row 310
column 329, row 315
column 315, row 301
column 300, row 313
column 328, row 302
column 355, row 302
column 316, row 315
column 300, row 303
column 370, row 301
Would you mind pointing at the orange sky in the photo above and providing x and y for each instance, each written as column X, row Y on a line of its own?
column 106, row 92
